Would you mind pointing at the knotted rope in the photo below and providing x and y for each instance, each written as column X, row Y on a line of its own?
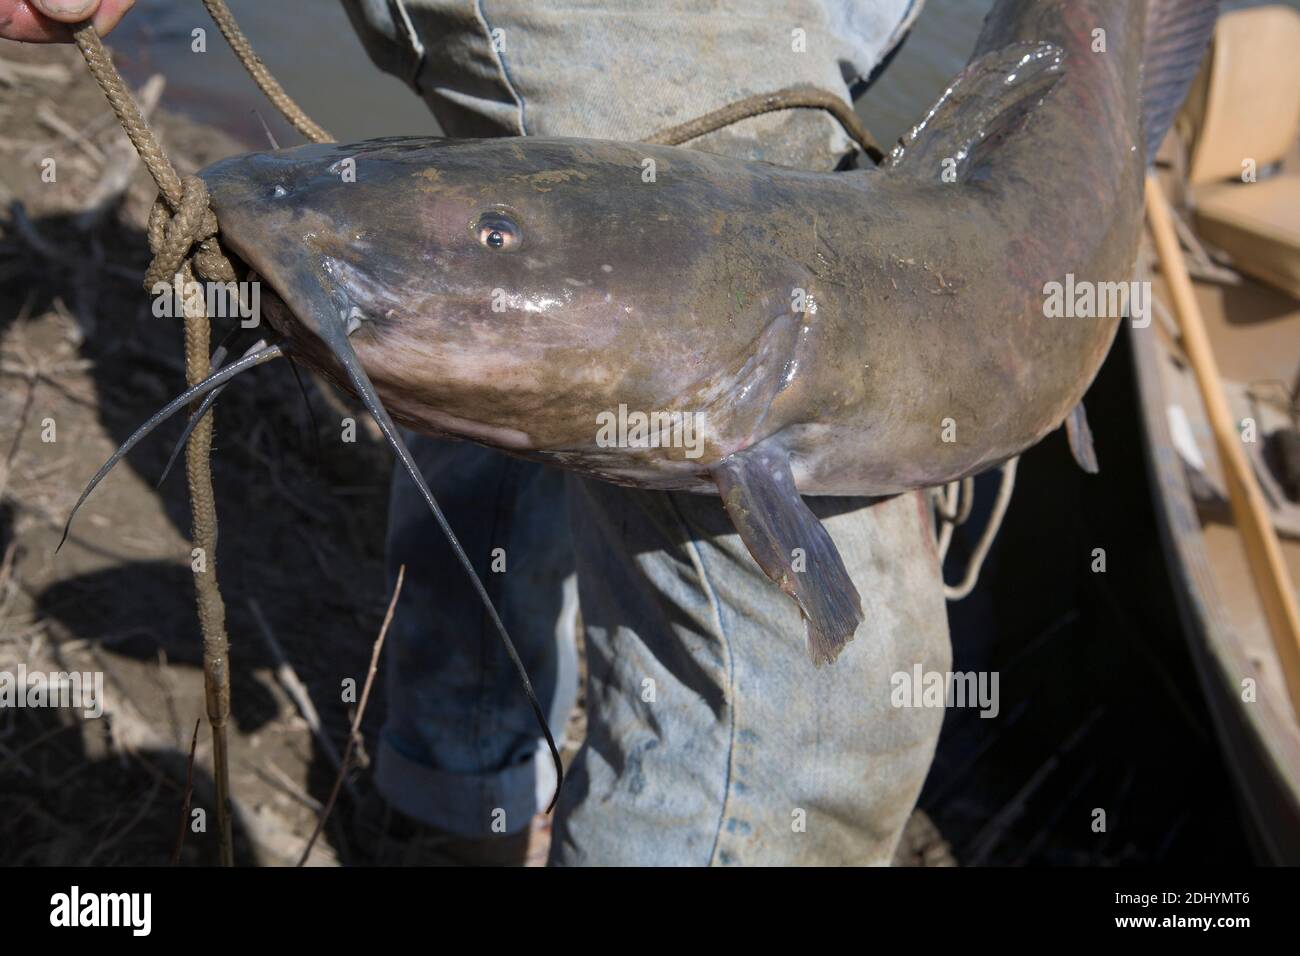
column 182, row 234
column 184, row 231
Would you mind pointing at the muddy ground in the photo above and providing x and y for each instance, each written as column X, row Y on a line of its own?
column 84, row 362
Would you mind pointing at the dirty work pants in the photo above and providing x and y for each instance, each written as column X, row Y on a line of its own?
column 711, row 738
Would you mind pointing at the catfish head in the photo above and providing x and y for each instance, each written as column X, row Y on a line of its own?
column 527, row 294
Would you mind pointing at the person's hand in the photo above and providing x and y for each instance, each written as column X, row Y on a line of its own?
column 46, row 21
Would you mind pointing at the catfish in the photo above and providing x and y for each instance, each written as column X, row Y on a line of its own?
column 666, row 318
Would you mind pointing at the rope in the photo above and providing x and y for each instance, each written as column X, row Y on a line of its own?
column 182, row 234
column 794, row 97
column 950, row 516
column 128, row 114
column 225, row 21
column 946, row 502
column 170, row 238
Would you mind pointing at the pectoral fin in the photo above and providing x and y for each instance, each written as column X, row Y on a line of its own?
column 1080, row 438
column 791, row 546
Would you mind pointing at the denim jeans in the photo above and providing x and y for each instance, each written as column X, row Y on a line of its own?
column 460, row 748
column 712, row 739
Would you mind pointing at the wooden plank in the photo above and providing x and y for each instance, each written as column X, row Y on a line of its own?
column 1248, row 506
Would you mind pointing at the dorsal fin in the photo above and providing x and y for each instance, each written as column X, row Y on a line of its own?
column 987, row 100
column 1177, row 33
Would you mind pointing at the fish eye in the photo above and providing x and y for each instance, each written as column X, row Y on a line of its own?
column 497, row 230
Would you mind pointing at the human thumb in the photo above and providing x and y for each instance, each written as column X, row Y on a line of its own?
column 67, row 11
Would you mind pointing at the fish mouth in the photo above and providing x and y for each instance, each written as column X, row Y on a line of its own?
column 314, row 316
column 322, row 308
column 300, row 280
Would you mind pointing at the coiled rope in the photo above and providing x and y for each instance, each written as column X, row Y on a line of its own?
column 953, row 504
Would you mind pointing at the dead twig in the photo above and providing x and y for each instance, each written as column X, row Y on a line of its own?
column 355, row 733
column 8, row 586
column 296, row 689
column 120, row 833
column 280, row 780
column 12, row 72
column 189, row 794
column 51, row 120
column 31, row 377
column 29, row 234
